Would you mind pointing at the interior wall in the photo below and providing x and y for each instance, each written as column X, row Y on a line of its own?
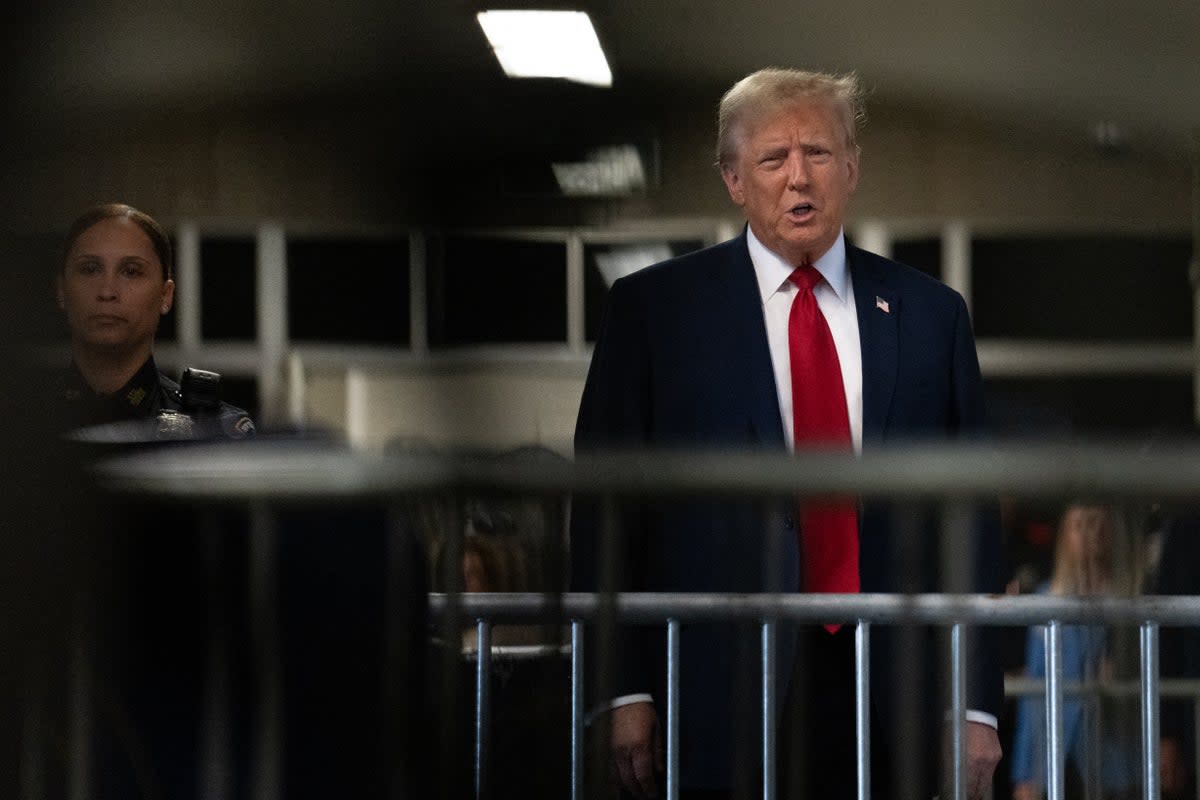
column 418, row 160
column 396, row 161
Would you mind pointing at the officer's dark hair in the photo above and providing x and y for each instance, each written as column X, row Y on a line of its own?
column 158, row 237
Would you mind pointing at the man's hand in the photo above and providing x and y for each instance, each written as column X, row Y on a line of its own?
column 981, row 753
column 1025, row 791
column 1172, row 772
column 636, row 748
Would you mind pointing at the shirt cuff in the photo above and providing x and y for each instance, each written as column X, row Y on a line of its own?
column 983, row 718
column 617, row 702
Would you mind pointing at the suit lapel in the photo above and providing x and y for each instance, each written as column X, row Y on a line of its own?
column 740, row 296
column 878, row 313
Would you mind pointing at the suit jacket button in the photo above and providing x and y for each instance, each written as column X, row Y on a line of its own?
column 789, row 523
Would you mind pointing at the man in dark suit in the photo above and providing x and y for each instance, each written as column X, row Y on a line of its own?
column 784, row 337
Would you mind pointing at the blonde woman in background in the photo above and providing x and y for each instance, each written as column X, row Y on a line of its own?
column 1091, row 543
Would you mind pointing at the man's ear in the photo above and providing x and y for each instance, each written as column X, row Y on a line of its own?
column 733, row 182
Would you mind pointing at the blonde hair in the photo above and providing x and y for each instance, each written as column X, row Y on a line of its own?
column 766, row 91
column 1091, row 568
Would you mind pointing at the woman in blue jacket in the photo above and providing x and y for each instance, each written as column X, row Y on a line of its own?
column 1084, row 567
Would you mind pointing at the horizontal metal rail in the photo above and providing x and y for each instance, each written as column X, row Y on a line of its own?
column 929, row 609
column 306, row 472
column 1167, row 687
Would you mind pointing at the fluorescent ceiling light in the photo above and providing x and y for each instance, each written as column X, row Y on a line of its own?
column 547, row 44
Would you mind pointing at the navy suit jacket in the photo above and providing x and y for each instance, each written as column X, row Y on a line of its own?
column 683, row 362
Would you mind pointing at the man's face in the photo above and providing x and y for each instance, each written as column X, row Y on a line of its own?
column 793, row 176
column 112, row 287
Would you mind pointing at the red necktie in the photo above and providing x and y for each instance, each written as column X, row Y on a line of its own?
column 829, row 529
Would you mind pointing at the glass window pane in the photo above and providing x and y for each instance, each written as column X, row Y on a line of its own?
column 1085, row 288
column 228, row 285
column 924, row 254
column 604, row 263
column 348, row 290
column 490, row 290
column 1138, row 405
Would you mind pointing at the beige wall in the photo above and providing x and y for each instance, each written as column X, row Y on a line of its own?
column 380, row 160
column 492, row 405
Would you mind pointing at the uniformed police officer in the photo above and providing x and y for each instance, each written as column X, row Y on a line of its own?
column 114, row 284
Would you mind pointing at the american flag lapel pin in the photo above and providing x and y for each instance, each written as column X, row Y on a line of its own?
column 882, row 305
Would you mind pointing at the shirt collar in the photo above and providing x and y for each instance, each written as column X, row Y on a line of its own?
column 772, row 271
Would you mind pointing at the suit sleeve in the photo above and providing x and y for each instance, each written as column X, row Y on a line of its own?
column 615, row 415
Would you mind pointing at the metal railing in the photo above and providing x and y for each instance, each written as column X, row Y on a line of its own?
column 957, row 612
column 956, row 474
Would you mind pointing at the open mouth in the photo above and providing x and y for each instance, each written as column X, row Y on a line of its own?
column 802, row 209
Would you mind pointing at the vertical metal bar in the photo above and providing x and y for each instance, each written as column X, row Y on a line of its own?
column 79, row 770
column 769, row 707
column 33, row 733
column 483, row 703
column 1149, row 648
column 1196, row 755
column 909, row 668
column 862, row 707
column 958, row 709
column 1092, row 784
column 1194, row 274
column 672, row 709
column 1055, row 784
column 216, row 725
column 268, row 767
column 577, row 655
column 451, row 736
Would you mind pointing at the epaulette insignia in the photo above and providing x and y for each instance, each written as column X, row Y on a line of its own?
column 244, row 426
column 136, row 396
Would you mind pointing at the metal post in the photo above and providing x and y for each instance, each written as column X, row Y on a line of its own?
column 862, row 707
column 79, row 767
column 1149, row 648
column 216, row 723
column 1055, row 784
column 483, row 702
column 576, row 710
column 1196, row 727
column 1095, row 755
column 769, row 708
column 672, row 709
column 958, row 706
column 268, row 723
column 1194, row 274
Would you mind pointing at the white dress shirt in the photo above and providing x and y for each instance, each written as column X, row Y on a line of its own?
column 835, row 298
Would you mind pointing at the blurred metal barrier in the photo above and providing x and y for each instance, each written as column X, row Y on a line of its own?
column 955, row 611
column 952, row 473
